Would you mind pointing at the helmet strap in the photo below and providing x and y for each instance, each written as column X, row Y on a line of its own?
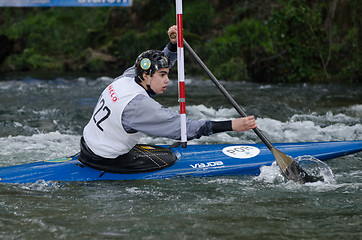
column 149, row 89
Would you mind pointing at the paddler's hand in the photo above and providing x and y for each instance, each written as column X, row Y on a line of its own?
column 172, row 34
column 243, row 124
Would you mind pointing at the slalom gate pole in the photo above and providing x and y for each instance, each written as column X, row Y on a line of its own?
column 181, row 72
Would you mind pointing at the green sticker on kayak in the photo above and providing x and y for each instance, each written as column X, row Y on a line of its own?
column 56, row 160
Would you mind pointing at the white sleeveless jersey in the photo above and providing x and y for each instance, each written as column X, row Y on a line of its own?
column 104, row 133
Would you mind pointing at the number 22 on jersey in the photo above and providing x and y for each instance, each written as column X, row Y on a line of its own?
column 101, row 114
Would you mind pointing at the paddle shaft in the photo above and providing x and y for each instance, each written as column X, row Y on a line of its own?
column 287, row 164
column 226, row 94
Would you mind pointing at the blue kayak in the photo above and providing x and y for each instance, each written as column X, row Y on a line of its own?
column 195, row 160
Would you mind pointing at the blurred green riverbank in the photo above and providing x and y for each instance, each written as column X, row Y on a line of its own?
column 259, row 41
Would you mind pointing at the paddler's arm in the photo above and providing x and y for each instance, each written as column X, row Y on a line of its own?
column 143, row 114
column 171, row 49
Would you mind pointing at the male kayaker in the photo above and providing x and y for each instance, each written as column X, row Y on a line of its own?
column 126, row 110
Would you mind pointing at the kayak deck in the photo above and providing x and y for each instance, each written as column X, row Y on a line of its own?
column 195, row 160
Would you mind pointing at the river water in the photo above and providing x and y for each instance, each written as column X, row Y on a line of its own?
column 43, row 118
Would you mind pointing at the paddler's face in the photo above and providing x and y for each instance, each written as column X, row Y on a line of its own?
column 159, row 80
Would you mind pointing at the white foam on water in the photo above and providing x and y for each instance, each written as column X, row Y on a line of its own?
column 309, row 130
column 328, row 118
column 42, row 186
column 355, row 110
column 42, row 146
column 300, row 128
column 270, row 174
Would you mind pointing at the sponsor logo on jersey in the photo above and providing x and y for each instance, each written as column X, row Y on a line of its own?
column 112, row 93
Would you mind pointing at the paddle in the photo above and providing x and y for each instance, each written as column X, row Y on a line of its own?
column 290, row 168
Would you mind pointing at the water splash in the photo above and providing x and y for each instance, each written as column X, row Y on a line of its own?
column 316, row 169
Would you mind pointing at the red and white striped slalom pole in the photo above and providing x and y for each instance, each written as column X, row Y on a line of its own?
column 181, row 72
